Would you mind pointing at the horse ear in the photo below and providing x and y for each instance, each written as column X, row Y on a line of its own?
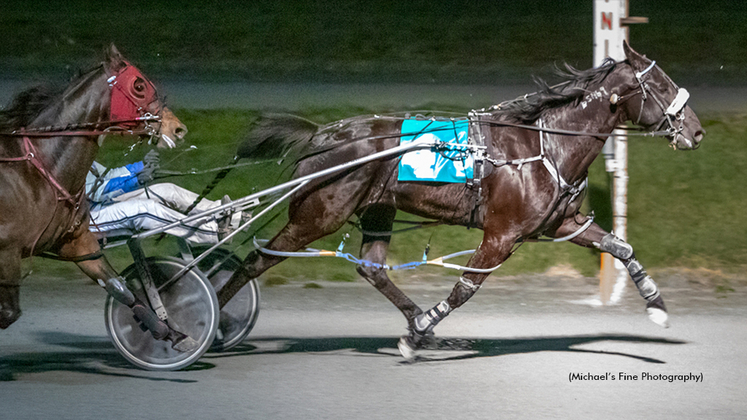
column 114, row 60
column 638, row 61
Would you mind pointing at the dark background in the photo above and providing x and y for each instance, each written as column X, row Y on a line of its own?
column 457, row 41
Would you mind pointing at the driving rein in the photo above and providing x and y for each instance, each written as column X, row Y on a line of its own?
column 131, row 94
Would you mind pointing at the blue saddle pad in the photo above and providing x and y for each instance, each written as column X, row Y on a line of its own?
column 454, row 164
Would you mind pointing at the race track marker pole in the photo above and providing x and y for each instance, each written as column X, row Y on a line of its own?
column 611, row 22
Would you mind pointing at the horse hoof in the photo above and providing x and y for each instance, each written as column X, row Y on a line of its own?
column 657, row 312
column 8, row 317
column 406, row 348
column 659, row 317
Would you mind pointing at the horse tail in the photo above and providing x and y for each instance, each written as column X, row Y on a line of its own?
column 275, row 135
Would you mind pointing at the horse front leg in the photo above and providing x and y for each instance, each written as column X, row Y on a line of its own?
column 596, row 237
column 86, row 253
column 493, row 251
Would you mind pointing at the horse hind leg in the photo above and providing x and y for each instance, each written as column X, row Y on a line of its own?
column 376, row 221
column 304, row 227
column 598, row 238
column 493, row 250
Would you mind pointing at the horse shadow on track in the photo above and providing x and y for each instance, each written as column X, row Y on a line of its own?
column 95, row 355
column 439, row 349
column 82, row 354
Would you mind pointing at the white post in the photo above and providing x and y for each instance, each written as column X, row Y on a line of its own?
column 609, row 34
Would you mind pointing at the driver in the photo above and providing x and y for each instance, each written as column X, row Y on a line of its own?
column 123, row 203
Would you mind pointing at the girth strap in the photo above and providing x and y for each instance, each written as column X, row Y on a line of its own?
column 575, row 189
column 478, row 172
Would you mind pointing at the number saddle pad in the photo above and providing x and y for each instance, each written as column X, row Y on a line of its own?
column 450, row 164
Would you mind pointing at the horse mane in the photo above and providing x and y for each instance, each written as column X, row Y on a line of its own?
column 530, row 108
column 27, row 105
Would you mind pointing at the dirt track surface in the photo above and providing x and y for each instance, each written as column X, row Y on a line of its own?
column 330, row 353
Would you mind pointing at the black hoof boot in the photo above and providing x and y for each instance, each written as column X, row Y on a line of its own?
column 8, row 316
column 161, row 331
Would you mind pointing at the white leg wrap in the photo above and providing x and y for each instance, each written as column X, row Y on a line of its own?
column 616, row 246
column 648, row 289
column 645, row 284
column 467, row 282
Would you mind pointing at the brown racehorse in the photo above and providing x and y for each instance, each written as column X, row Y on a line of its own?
column 48, row 142
column 536, row 160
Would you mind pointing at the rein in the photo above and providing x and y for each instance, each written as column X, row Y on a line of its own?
column 572, row 132
column 31, row 156
column 78, row 130
column 128, row 102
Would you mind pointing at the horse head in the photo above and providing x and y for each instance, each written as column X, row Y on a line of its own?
column 135, row 102
column 651, row 99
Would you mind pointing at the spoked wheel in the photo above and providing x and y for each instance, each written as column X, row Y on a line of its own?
column 192, row 308
column 238, row 316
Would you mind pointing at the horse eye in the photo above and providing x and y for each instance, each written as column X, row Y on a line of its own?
column 139, row 87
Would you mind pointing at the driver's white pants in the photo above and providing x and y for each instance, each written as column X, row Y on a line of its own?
column 163, row 204
column 170, row 195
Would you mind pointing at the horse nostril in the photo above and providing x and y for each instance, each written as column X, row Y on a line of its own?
column 180, row 132
column 699, row 136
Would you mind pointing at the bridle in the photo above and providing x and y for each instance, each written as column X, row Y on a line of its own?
column 131, row 96
column 671, row 113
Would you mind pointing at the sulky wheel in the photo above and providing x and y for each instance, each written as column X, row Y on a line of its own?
column 192, row 308
column 238, row 316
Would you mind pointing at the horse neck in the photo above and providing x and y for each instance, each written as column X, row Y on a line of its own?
column 574, row 154
column 69, row 158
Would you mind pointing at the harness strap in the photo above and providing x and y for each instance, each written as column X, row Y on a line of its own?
column 113, row 129
column 88, row 257
column 440, row 261
column 580, row 230
column 574, row 189
column 100, row 179
column 61, row 192
column 640, row 74
column 478, row 171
